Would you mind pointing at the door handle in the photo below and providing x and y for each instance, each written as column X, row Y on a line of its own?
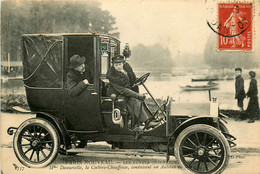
column 94, row 93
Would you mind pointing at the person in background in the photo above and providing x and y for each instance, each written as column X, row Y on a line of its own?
column 239, row 87
column 253, row 105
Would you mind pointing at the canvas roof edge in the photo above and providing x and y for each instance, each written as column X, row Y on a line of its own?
column 69, row 34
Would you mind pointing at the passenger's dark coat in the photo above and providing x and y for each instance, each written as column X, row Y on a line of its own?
column 239, row 85
column 253, row 104
column 75, row 84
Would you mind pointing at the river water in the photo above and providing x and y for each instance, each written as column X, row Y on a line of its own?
column 162, row 86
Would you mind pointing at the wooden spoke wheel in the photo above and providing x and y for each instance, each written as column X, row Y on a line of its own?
column 202, row 149
column 36, row 143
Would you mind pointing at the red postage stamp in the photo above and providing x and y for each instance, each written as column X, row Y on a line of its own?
column 235, row 24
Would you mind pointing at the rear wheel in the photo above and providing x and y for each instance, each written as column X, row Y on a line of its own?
column 36, row 143
column 202, row 149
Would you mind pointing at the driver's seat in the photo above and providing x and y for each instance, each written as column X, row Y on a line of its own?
column 115, row 105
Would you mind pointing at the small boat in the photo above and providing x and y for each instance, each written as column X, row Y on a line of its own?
column 200, row 87
column 214, row 78
column 205, row 79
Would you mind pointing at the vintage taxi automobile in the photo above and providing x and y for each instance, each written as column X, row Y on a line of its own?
column 192, row 132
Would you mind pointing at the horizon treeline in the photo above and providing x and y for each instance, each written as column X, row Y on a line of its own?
column 25, row 17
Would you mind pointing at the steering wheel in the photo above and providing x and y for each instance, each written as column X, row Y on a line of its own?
column 141, row 79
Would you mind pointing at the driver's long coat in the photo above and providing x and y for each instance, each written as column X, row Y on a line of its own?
column 119, row 83
column 131, row 75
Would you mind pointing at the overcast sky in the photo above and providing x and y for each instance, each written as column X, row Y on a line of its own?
column 180, row 25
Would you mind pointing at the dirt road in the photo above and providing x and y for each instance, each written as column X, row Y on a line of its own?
column 128, row 161
column 100, row 158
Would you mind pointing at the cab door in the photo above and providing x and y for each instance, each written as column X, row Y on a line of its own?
column 82, row 111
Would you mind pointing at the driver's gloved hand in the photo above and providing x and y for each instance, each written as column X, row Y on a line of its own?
column 141, row 97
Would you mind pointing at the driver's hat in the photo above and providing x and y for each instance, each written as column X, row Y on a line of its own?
column 118, row 59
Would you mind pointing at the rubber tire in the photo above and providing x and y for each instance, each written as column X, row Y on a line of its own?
column 53, row 132
column 204, row 128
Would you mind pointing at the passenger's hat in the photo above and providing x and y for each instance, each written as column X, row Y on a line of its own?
column 76, row 60
column 238, row 69
column 252, row 74
column 117, row 59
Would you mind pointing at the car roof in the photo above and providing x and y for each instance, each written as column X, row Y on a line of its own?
column 68, row 34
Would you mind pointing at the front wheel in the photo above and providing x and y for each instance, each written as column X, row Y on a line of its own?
column 36, row 143
column 202, row 149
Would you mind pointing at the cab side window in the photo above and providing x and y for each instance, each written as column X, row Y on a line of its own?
column 83, row 46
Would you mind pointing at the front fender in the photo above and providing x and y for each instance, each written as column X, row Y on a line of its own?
column 212, row 121
column 57, row 123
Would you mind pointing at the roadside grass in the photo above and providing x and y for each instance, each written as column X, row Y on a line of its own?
column 239, row 114
column 8, row 101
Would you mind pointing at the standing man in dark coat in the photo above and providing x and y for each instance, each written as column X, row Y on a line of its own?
column 253, row 105
column 78, row 77
column 240, row 91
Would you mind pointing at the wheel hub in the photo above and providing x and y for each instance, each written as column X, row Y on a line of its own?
column 35, row 143
column 201, row 152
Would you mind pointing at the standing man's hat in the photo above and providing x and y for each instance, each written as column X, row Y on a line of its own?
column 238, row 69
column 118, row 59
column 76, row 60
column 252, row 74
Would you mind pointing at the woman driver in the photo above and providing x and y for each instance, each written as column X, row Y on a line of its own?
column 119, row 84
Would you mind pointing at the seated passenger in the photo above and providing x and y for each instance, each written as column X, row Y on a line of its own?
column 119, row 84
column 78, row 76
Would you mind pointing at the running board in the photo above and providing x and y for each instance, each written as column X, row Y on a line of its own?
column 83, row 132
